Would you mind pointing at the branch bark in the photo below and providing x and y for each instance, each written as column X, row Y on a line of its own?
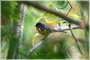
column 23, row 8
column 43, row 8
column 60, row 29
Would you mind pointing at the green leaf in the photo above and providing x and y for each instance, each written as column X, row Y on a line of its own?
column 59, row 21
column 60, row 4
column 51, row 5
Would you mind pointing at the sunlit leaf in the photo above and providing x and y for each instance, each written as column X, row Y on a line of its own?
column 60, row 4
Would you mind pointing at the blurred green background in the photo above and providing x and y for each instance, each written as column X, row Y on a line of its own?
column 62, row 47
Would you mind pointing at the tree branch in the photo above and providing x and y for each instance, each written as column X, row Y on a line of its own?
column 60, row 29
column 20, row 29
column 21, row 24
column 36, row 46
column 43, row 8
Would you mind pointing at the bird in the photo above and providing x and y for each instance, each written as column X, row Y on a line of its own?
column 43, row 29
column 46, row 29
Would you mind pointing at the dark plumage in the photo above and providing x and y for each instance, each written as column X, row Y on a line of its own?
column 43, row 28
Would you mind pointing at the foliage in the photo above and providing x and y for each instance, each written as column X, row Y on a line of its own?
column 58, row 45
column 9, row 14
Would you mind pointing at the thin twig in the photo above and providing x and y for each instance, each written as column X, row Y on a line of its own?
column 73, row 34
column 75, row 39
column 70, row 8
column 36, row 46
